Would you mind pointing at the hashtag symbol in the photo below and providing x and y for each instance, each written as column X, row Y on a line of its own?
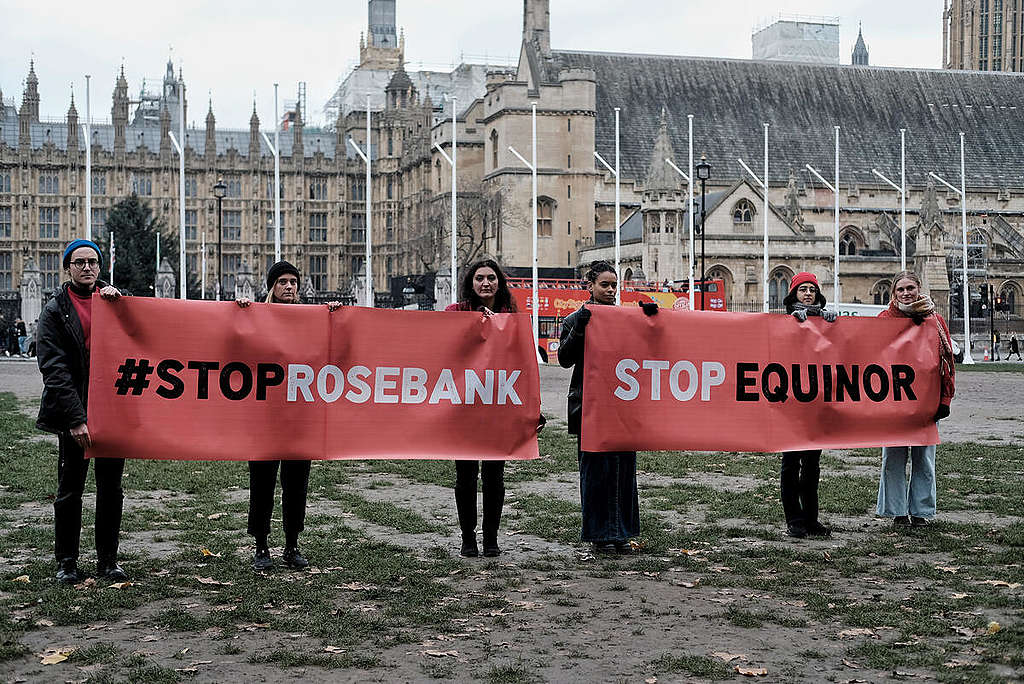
column 134, row 376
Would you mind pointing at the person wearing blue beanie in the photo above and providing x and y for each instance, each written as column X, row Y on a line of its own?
column 69, row 250
column 64, row 334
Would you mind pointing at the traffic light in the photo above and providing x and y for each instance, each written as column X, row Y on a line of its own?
column 984, row 294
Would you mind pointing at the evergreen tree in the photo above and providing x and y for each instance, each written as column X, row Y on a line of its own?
column 134, row 227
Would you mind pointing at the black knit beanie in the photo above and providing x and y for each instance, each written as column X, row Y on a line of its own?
column 279, row 269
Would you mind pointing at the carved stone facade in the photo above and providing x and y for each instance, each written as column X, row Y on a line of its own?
column 982, row 34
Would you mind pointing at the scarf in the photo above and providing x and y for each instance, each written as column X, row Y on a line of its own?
column 922, row 306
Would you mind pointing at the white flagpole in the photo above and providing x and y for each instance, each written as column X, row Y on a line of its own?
column 203, row 285
column 533, row 171
column 157, row 270
column 963, row 227
column 903, row 199
column 618, row 216
column 835, row 270
column 689, row 210
column 369, row 212
column 112, row 251
column 88, row 164
column 764, row 268
column 277, row 182
column 182, row 271
column 455, row 199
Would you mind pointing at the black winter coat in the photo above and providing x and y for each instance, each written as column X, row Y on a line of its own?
column 570, row 353
column 64, row 362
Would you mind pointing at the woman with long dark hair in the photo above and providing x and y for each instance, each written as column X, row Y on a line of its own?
column 915, row 504
column 608, row 493
column 485, row 289
column 801, row 469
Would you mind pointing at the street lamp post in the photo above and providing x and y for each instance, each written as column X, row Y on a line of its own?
column 219, row 190
column 703, row 170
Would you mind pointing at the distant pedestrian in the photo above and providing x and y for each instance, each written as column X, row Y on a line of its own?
column 1014, row 348
column 918, row 507
column 995, row 346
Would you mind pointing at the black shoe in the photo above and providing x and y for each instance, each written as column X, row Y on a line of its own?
column 68, row 572
column 796, row 529
column 816, row 529
column 605, row 548
column 491, row 545
column 261, row 561
column 469, row 548
column 110, row 570
column 901, row 521
column 919, row 522
column 623, row 548
column 294, row 559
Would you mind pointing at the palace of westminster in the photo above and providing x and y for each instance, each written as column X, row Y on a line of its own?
column 323, row 193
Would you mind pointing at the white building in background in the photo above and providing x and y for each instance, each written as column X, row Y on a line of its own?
column 814, row 40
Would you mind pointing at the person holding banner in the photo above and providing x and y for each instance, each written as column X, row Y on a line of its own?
column 64, row 334
column 907, row 301
column 801, row 470
column 283, row 288
column 484, row 288
column 608, row 493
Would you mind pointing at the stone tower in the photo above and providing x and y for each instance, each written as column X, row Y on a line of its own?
column 72, row 128
column 29, row 112
column 537, row 25
column 661, row 209
column 254, row 136
column 119, row 113
column 211, row 134
column 382, row 48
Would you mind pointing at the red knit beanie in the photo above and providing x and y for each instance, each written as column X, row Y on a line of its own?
column 801, row 278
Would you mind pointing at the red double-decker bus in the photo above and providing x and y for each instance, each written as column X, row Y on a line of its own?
column 559, row 298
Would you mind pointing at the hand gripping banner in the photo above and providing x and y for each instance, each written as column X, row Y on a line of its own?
column 194, row 380
column 756, row 382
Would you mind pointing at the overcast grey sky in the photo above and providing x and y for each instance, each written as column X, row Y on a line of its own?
column 231, row 49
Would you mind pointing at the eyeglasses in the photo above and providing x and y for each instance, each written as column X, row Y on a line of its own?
column 82, row 263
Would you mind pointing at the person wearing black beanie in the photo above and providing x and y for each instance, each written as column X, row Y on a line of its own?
column 283, row 288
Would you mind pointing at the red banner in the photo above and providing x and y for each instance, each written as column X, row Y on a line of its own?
column 756, row 382
column 212, row 381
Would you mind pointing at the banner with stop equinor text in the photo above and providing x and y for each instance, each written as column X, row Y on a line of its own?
column 756, row 382
column 192, row 380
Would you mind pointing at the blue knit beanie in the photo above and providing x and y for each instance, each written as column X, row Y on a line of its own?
column 81, row 243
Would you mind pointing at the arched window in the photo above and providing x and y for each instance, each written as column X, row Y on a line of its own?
column 743, row 212
column 1009, row 293
column 628, row 275
column 847, row 245
column 778, row 287
column 723, row 274
column 494, row 149
column 880, row 292
column 545, row 215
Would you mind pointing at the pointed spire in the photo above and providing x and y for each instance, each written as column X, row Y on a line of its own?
column 210, row 118
column 71, row 110
column 32, row 79
column 860, row 49
column 659, row 175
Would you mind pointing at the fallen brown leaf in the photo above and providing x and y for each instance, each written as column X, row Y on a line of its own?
column 119, row 585
column 52, row 656
column 216, row 516
column 751, row 671
column 210, row 580
column 150, row 637
column 994, row 627
column 440, row 654
column 334, row 649
column 1001, row 583
column 23, row 578
column 856, row 632
column 729, row 657
column 851, row 664
column 208, row 552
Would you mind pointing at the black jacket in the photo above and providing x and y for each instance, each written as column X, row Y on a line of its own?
column 570, row 353
column 64, row 362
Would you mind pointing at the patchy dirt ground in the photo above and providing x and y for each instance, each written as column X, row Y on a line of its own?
column 715, row 593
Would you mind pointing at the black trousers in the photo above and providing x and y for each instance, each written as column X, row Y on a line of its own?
column 492, row 476
column 800, row 474
column 294, row 486
column 72, row 469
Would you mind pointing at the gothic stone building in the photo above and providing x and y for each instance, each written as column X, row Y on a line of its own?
column 576, row 94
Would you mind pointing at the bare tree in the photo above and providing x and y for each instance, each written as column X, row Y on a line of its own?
column 478, row 210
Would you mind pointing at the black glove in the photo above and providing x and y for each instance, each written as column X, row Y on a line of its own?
column 918, row 320
column 583, row 317
column 650, row 308
column 541, row 422
column 943, row 412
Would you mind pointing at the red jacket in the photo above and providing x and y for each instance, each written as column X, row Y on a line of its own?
column 946, row 360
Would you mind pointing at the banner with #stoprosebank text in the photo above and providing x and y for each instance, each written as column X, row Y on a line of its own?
column 195, row 380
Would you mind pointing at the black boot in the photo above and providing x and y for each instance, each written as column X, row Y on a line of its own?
column 261, row 561
column 108, row 569
column 494, row 500
column 68, row 572
column 465, row 505
column 292, row 557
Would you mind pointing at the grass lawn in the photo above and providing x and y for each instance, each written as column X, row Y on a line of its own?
column 715, row 591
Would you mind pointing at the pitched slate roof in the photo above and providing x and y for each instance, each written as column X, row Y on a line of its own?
column 731, row 98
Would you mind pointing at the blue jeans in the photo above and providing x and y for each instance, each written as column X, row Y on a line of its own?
column 608, row 496
column 892, row 487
